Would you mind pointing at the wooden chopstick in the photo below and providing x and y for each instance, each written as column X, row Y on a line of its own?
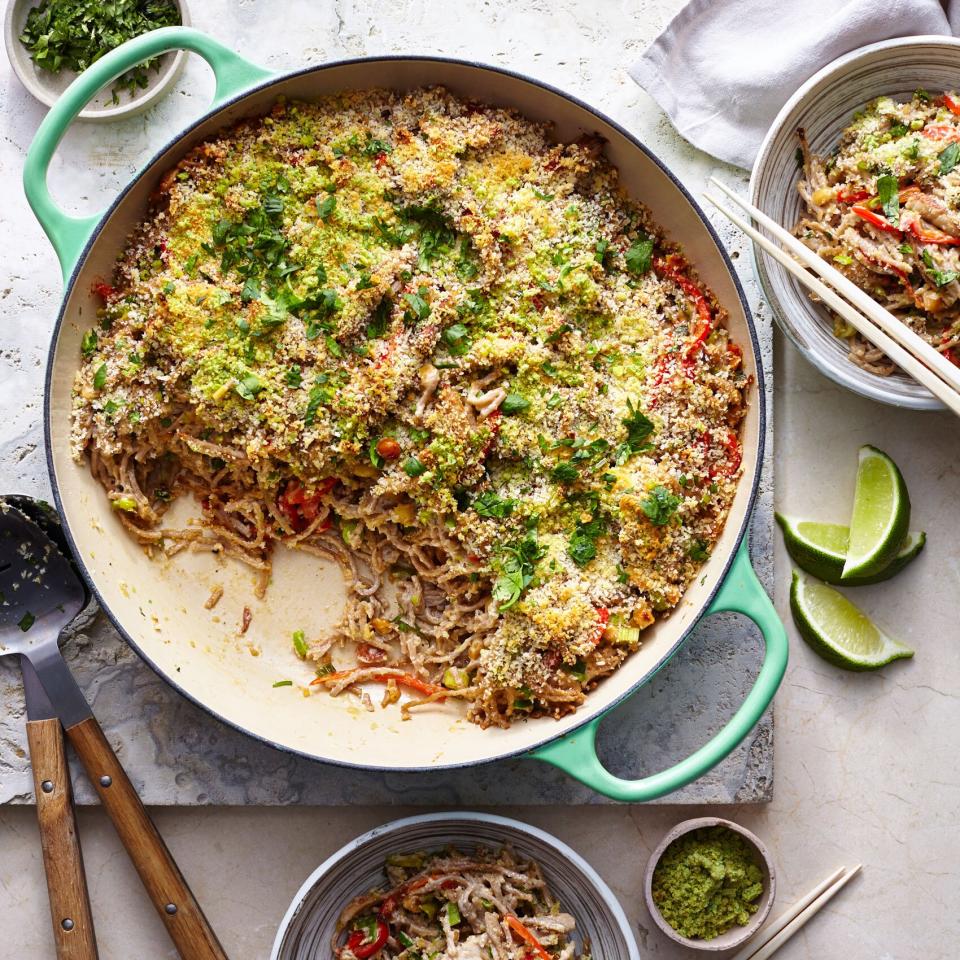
column 890, row 325
column 775, row 926
column 780, row 932
column 877, row 336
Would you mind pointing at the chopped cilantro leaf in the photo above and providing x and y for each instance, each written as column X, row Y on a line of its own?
column 326, row 207
column 888, row 189
column 660, row 506
column 564, row 472
column 457, row 339
column 513, row 403
column 940, row 277
column 602, row 253
column 418, row 305
column 640, row 255
column 272, row 207
column 249, row 386
column 515, row 566
column 374, row 147
column 488, row 504
column 639, row 428
column 582, row 547
column 949, row 158
column 319, row 394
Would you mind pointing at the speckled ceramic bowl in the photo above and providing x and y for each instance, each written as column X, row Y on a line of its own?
column 47, row 87
column 736, row 935
column 309, row 923
column 824, row 106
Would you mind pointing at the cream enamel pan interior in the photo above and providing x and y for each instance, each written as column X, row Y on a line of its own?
column 159, row 606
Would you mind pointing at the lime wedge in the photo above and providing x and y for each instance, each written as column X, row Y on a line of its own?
column 821, row 549
column 839, row 631
column 881, row 515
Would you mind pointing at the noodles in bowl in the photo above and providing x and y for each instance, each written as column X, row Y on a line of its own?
column 413, row 334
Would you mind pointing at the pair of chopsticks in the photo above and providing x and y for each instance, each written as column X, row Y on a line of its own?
column 906, row 348
column 774, row 936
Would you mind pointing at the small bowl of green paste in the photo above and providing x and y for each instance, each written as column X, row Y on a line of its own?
column 710, row 884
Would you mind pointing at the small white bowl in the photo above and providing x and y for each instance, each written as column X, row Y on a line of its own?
column 824, row 106
column 735, row 936
column 47, row 86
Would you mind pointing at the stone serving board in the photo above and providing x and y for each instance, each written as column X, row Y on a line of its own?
column 174, row 752
column 177, row 754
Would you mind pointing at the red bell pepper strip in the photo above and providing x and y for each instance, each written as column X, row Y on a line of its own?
column 674, row 268
column 951, row 354
column 855, row 196
column 932, row 235
column 952, row 105
column 403, row 679
column 357, row 941
column 881, row 223
column 300, row 507
column 104, row 290
column 603, row 618
column 734, row 454
column 518, row 928
column 494, row 421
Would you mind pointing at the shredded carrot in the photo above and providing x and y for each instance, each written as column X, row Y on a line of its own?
column 404, row 679
column 518, row 928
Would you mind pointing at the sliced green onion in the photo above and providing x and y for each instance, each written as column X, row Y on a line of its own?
column 300, row 644
column 456, row 678
column 625, row 636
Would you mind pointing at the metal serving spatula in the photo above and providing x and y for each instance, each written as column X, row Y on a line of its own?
column 72, row 920
column 41, row 595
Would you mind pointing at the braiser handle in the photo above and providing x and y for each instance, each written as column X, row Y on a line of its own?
column 69, row 234
column 741, row 592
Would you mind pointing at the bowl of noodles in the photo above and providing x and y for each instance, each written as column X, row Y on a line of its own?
column 457, row 885
column 859, row 164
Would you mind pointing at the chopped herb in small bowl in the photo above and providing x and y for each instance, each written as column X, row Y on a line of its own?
column 51, row 41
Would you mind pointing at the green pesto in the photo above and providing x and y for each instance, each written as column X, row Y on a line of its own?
column 706, row 882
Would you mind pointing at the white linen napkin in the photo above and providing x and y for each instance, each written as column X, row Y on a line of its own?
column 722, row 69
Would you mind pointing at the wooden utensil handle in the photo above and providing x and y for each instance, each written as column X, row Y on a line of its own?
column 185, row 922
column 62, row 858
